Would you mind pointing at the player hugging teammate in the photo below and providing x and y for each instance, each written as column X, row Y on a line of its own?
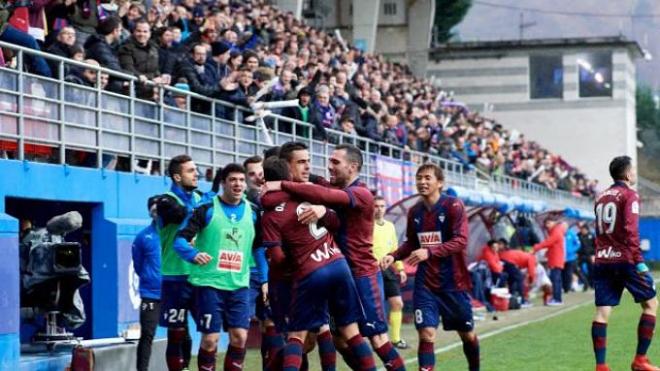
column 321, row 268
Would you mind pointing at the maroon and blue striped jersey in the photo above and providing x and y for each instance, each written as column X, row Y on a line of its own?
column 443, row 231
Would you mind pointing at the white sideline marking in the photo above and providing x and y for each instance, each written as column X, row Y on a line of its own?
column 509, row 328
column 505, row 329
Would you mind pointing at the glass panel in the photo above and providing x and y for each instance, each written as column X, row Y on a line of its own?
column 80, row 136
column 83, row 97
column 79, row 116
column 174, row 134
column 201, row 123
column 247, row 148
column 8, row 102
column 147, row 128
column 201, row 155
column 115, row 122
column 224, row 158
column 115, row 104
column 8, row 80
column 40, row 108
column 146, row 110
column 224, row 128
column 172, row 150
column 226, row 144
column 146, row 147
column 175, row 117
column 8, row 124
column 41, row 129
column 595, row 74
column 116, row 142
column 201, row 139
column 546, row 76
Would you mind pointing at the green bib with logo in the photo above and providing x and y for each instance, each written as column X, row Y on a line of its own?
column 229, row 243
column 171, row 262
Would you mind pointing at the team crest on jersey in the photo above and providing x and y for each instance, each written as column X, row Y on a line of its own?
column 441, row 218
column 429, row 238
column 280, row 207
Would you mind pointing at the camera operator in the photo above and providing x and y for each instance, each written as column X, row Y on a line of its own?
column 146, row 261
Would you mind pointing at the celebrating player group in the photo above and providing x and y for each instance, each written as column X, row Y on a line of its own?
column 296, row 251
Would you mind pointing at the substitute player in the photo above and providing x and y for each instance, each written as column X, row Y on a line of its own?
column 321, row 279
column 224, row 234
column 354, row 205
column 437, row 234
column 619, row 264
column 385, row 242
column 176, row 293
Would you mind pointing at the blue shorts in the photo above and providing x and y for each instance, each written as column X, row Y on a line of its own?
column 279, row 298
column 611, row 279
column 258, row 308
column 327, row 290
column 222, row 309
column 372, row 298
column 176, row 301
column 454, row 307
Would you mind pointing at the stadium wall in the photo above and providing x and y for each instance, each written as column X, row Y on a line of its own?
column 649, row 233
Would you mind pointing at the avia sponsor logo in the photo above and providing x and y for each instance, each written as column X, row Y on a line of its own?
column 324, row 253
column 429, row 238
column 231, row 261
column 609, row 253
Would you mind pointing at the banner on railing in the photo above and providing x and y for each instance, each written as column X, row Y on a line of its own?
column 408, row 169
column 389, row 178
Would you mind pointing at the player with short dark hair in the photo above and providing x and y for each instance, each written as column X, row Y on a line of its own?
column 353, row 202
column 224, row 235
column 173, row 208
column 619, row 264
column 321, row 279
column 437, row 236
column 271, row 340
column 296, row 156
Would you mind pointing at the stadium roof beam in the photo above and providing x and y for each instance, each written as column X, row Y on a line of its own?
column 293, row 6
column 365, row 24
column 420, row 26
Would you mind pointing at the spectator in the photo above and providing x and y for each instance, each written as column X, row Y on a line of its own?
column 202, row 77
column 322, row 115
column 571, row 245
column 66, row 39
column 586, row 255
column 555, row 255
column 491, row 258
column 135, row 13
column 139, row 57
column 524, row 262
column 83, row 16
column 99, row 48
column 219, row 58
column 168, row 54
column 11, row 34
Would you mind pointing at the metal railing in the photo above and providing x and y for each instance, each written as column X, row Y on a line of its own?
column 48, row 118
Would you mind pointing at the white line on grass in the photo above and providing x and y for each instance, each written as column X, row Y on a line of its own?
column 505, row 329
column 510, row 327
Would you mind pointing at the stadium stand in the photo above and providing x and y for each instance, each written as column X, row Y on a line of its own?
column 255, row 52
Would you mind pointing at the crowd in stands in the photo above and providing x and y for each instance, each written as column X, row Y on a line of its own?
column 526, row 263
column 241, row 51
